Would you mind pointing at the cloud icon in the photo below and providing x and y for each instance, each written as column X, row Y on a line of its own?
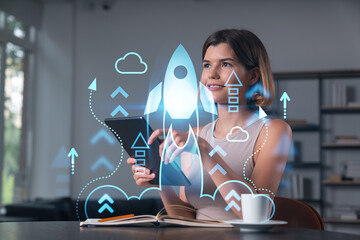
column 237, row 140
column 123, row 63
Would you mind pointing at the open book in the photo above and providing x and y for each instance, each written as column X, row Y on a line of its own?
column 158, row 220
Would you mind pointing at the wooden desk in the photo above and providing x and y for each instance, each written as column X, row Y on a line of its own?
column 71, row 230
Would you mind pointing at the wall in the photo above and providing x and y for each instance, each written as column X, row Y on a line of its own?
column 53, row 103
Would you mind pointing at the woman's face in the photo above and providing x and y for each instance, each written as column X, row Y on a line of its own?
column 218, row 64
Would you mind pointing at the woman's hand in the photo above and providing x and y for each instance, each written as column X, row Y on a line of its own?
column 142, row 175
column 176, row 147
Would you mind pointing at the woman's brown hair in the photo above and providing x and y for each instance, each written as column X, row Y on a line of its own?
column 251, row 53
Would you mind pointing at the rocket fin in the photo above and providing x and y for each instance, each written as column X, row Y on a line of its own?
column 207, row 100
column 153, row 100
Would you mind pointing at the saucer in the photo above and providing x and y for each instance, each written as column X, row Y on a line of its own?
column 255, row 227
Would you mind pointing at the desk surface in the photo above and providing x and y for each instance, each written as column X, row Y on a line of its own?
column 71, row 230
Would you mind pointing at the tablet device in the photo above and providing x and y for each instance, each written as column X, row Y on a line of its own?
column 134, row 133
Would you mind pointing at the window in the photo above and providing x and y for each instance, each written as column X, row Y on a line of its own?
column 15, row 48
column 15, row 26
column 13, row 108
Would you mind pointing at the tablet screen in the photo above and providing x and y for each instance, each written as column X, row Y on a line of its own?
column 134, row 133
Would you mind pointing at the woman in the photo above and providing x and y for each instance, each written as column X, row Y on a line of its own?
column 256, row 159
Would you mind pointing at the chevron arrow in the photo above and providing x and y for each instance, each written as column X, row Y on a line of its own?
column 217, row 168
column 102, row 161
column 119, row 108
column 104, row 198
column 119, row 90
column 232, row 204
column 102, row 134
column 231, row 194
column 217, row 149
column 105, row 207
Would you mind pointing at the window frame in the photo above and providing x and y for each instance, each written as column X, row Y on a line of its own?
column 25, row 155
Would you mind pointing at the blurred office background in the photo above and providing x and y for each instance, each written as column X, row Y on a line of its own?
column 52, row 50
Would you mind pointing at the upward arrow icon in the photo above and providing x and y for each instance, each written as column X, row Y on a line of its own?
column 231, row 194
column 102, row 134
column 104, row 198
column 285, row 97
column 73, row 154
column 93, row 85
column 217, row 168
column 106, row 206
column 217, row 149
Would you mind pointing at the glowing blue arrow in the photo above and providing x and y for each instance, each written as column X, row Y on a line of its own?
column 217, row 168
column 102, row 161
column 102, row 134
column 73, row 154
column 231, row 194
column 262, row 113
column 119, row 90
column 104, row 198
column 232, row 204
column 106, row 207
column 285, row 97
column 217, row 149
column 93, row 85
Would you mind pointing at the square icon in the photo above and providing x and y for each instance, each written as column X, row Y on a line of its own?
column 233, row 91
column 140, row 153
column 233, row 100
column 140, row 162
column 233, row 108
column 139, row 170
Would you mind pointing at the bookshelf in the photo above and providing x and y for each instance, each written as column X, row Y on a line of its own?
column 342, row 221
column 324, row 146
column 334, row 110
column 341, row 183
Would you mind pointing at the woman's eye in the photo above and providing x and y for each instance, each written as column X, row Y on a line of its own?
column 206, row 65
column 225, row 64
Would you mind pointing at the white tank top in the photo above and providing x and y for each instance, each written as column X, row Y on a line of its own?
column 236, row 155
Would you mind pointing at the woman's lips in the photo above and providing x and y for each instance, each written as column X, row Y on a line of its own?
column 214, row 87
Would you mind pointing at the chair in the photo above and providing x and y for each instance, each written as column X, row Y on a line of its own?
column 297, row 214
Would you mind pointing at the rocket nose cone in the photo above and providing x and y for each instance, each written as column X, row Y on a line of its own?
column 180, row 85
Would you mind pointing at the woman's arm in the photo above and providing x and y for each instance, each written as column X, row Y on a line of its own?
column 269, row 163
column 271, row 160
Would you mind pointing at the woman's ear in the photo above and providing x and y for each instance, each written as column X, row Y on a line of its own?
column 254, row 76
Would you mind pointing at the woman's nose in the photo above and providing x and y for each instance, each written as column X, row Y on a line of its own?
column 214, row 74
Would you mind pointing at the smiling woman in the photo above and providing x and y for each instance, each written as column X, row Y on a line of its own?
column 236, row 70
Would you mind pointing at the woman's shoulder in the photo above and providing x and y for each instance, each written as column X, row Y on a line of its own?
column 278, row 125
column 276, row 133
column 274, row 128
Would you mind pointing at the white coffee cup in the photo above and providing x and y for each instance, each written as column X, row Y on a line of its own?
column 255, row 207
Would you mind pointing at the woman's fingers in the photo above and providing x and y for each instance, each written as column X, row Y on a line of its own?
column 161, row 148
column 157, row 133
column 176, row 153
column 168, row 153
column 143, row 179
column 131, row 161
column 137, row 170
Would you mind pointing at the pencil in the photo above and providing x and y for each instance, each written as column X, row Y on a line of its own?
column 116, row 218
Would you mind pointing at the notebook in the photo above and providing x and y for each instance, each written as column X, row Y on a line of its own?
column 158, row 220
